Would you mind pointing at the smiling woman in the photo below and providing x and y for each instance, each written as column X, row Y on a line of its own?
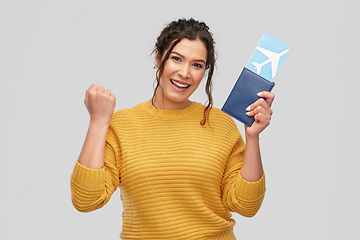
column 181, row 166
column 185, row 30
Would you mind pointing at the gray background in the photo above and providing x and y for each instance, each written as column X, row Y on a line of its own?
column 51, row 51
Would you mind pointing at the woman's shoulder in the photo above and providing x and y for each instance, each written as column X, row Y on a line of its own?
column 128, row 113
column 219, row 118
column 220, row 114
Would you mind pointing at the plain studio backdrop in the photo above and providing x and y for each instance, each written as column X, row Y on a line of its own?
column 50, row 52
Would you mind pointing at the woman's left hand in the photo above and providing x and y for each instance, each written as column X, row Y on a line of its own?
column 261, row 110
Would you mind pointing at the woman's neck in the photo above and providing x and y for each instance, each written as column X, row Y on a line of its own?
column 161, row 102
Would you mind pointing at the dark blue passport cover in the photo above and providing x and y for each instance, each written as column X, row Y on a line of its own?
column 244, row 93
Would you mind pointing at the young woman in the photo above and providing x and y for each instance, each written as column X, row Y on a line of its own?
column 181, row 166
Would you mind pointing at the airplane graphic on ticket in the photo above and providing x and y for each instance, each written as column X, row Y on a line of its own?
column 268, row 57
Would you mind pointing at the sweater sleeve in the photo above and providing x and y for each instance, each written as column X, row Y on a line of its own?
column 238, row 194
column 92, row 188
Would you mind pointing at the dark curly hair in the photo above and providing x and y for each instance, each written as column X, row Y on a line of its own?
column 172, row 35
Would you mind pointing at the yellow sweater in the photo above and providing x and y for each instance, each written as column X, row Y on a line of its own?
column 177, row 178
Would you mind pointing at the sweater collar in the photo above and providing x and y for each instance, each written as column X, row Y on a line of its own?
column 178, row 113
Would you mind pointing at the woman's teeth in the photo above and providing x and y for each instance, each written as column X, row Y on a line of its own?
column 179, row 84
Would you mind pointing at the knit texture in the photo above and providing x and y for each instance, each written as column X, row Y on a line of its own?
column 177, row 178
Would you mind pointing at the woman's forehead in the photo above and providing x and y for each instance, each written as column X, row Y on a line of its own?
column 191, row 48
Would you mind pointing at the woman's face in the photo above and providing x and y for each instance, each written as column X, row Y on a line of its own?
column 183, row 72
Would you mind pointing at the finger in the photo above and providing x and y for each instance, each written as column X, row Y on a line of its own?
column 107, row 92
column 265, row 105
column 100, row 89
column 261, row 108
column 92, row 87
column 258, row 109
column 268, row 96
column 87, row 93
column 91, row 84
column 113, row 98
column 262, row 119
column 257, row 103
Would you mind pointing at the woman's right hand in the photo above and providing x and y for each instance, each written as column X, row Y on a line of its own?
column 100, row 104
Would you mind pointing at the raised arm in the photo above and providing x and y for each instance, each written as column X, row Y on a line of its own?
column 244, row 181
column 95, row 176
column 100, row 104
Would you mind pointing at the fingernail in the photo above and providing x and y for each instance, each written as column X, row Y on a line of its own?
column 247, row 113
column 91, row 84
column 248, row 108
column 259, row 94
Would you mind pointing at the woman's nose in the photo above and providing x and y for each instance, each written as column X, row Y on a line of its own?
column 184, row 72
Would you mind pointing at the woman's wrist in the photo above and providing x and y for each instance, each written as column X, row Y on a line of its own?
column 99, row 123
column 249, row 137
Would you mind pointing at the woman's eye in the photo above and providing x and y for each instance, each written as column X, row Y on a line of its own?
column 197, row 65
column 176, row 58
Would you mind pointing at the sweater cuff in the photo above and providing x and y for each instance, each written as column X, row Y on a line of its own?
column 89, row 178
column 251, row 190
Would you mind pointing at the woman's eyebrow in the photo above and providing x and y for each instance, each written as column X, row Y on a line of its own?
column 196, row 60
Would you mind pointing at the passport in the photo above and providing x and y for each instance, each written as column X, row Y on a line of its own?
column 257, row 76
column 244, row 93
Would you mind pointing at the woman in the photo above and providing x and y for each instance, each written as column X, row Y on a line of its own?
column 181, row 166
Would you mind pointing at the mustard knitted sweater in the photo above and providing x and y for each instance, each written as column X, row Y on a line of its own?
column 177, row 178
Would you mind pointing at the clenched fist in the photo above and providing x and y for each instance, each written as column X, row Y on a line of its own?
column 100, row 103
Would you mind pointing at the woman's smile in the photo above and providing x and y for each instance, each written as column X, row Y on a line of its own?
column 179, row 86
